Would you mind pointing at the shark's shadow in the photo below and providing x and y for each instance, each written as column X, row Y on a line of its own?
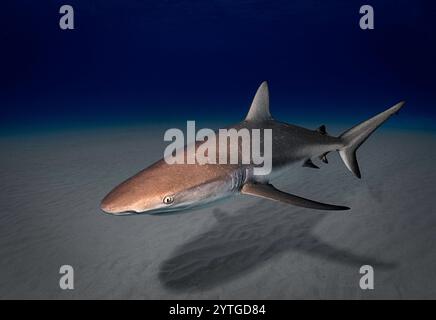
column 240, row 242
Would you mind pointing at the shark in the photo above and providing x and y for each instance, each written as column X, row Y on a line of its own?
column 169, row 188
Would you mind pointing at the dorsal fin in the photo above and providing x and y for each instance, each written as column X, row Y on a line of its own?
column 259, row 109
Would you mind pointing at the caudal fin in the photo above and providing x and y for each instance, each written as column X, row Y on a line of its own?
column 354, row 137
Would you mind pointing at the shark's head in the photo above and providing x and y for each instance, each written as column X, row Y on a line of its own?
column 164, row 188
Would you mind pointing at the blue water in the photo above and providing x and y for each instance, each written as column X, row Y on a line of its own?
column 157, row 61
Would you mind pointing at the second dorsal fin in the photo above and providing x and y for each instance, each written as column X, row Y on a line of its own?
column 322, row 129
column 323, row 157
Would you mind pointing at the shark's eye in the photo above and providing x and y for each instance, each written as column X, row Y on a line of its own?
column 168, row 199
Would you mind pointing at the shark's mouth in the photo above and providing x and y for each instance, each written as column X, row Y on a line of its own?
column 122, row 213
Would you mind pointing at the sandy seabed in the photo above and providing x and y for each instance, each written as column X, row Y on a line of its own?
column 242, row 248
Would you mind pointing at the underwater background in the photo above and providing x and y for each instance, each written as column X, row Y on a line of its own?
column 81, row 110
column 156, row 61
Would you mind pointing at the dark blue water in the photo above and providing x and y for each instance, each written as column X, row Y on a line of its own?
column 155, row 61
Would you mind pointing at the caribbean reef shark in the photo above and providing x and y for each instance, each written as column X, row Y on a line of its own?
column 163, row 187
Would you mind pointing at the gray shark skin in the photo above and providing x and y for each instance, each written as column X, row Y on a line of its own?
column 163, row 187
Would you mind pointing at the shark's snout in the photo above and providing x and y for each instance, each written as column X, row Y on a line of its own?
column 107, row 206
column 133, row 196
column 115, row 204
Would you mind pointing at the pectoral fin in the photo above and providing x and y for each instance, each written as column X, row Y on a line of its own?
column 268, row 191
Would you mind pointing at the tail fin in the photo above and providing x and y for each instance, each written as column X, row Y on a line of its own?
column 357, row 135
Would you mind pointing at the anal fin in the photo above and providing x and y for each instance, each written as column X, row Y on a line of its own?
column 268, row 191
column 309, row 164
